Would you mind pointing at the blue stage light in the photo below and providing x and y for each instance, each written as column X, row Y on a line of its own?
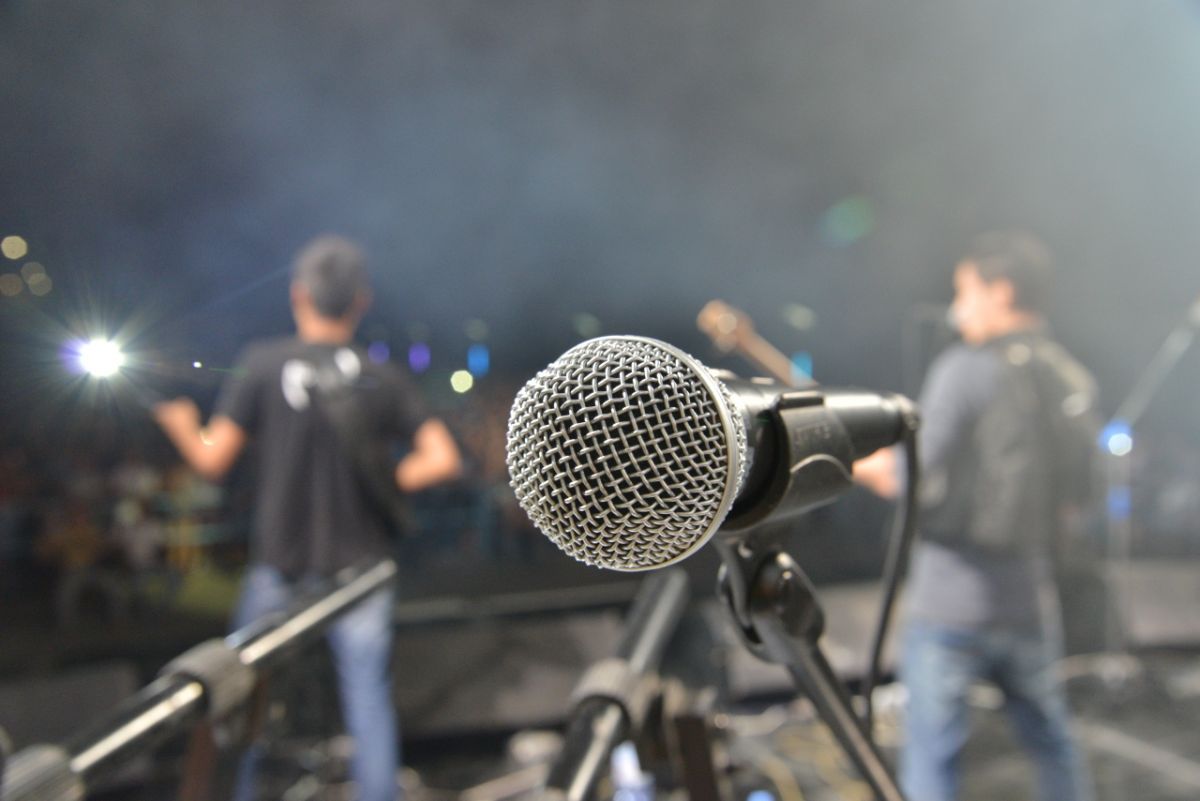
column 479, row 360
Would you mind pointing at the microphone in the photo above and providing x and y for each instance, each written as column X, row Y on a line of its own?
column 629, row 454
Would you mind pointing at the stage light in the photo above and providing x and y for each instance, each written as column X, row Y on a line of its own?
column 848, row 221
column 586, row 325
column 101, row 358
column 31, row 270
column 462, row 381
column 1120, row 444
column 419, row 357
column 379, row 352
column 40, row 284
column 476, row 330
column 1117, row 438
column 479, row 360
column 14, row 247
column 802, row 366
column 10, row 285
column 197, row 365
column 799, row 316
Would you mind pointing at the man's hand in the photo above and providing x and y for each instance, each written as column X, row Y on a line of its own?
column 178, row 418
column 210, row 451
column 878, row 473
column 433, row 459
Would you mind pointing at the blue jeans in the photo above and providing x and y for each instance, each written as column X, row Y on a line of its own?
column 938, row 665
column 361, row 641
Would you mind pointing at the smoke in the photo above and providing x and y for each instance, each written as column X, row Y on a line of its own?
column 526, row 161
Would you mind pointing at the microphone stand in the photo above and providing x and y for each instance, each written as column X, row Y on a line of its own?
column 1119, row 474
column 204, row 685
column 612, row 698
column 775, row 610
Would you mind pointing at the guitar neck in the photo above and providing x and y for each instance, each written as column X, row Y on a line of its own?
column 767, row 357
column 732, row 330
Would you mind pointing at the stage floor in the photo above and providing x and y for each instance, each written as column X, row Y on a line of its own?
column 1137, row 728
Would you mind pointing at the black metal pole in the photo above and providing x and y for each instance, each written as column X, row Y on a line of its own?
column 180, row 699
column 779, row 618
column 814, row 676
column 606, row 704
column 263, row 647
column 160, row 710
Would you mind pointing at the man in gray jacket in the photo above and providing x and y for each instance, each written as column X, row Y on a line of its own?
column 1005, row 447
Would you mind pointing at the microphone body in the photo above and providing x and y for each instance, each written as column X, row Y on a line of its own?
column 629, row 454
column 804, row 445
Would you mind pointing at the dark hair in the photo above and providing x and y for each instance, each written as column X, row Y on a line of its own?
column 333, row 270
column 1019, row 258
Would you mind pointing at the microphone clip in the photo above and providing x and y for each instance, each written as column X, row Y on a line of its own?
column 756, row 580
column 776, row 613
column 803, row 457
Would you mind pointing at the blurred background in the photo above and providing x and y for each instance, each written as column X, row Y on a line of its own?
column 525, row 175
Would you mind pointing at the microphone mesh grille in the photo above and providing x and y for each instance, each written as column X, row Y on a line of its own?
column 619, row 453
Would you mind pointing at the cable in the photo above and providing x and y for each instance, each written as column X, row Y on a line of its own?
column 900, row 540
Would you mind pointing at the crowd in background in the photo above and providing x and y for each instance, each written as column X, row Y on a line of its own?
column 105, row 532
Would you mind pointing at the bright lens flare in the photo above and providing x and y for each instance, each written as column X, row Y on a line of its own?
column 462, row 381
column 1120, row 444
column 1117, row 438
column 101, row 358
column 14, row 247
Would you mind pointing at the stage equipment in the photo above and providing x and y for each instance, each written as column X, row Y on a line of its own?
column 631, row 455
column 698, row 755
column 610, row 702
column 732, row 330
column 1117, row 443
column 203, row 685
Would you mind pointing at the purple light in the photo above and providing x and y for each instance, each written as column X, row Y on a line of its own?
column 379, row 352
column 418, row 357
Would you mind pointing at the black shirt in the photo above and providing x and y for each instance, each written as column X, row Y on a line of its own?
column 983, row 560
column 952, row 583
column 310, row 515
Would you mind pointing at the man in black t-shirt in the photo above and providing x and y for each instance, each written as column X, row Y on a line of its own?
column 313, row 513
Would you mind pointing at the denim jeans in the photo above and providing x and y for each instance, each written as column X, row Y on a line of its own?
column 938, row 665
column 361, row 641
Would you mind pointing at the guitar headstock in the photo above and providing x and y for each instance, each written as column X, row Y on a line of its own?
column 728, row 328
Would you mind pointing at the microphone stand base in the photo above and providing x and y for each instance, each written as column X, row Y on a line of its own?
column 775, row 610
